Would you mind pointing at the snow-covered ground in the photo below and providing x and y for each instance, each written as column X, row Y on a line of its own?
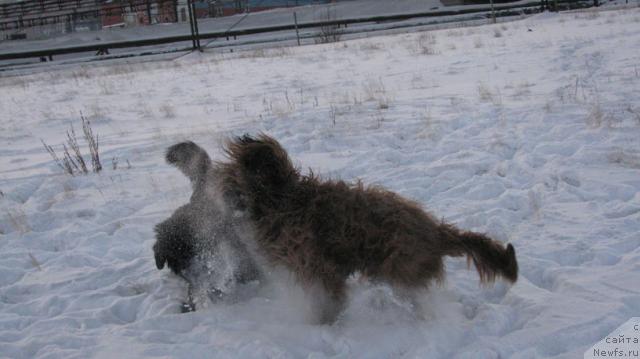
column 527, row 131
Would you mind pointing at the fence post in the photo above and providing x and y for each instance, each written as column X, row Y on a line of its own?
column 193, row 34
column 195, row 25
column 295, row 21
column 493, row 12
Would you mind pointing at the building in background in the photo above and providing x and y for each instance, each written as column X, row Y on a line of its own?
column 33, row 19
column 38, row 19
column 232, row 7
column 182, row 10
column 167, row 11
column 141, row 12
column 112, row 14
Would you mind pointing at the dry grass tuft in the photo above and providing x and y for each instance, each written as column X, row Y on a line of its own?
column 73, row 162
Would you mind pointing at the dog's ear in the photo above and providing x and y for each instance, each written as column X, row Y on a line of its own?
column 159, row 256
column 160, row 247
column 174, row 244
column 267, row 164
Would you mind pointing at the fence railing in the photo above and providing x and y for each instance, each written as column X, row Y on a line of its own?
column 103, row 47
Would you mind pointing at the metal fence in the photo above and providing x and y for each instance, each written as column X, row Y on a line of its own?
column 25, row 16
column 194, row 36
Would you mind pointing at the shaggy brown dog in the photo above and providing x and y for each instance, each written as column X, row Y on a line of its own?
column 323, row 231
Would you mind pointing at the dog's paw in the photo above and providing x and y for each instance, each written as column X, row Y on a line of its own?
column 187, row 307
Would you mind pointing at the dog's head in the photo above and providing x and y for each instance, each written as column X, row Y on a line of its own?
column 262, row 162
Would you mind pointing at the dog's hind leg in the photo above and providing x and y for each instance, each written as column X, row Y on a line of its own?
column 410, row 297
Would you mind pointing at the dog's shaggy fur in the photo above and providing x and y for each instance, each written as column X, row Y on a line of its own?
column 199, row 241
column 323, row 231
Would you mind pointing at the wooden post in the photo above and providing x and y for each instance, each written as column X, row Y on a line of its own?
column 295, row 21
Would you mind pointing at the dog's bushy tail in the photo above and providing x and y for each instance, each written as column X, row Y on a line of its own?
column 491, row 258
column 190, row 159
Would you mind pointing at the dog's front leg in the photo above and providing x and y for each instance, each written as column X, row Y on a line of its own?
column 328, row 297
